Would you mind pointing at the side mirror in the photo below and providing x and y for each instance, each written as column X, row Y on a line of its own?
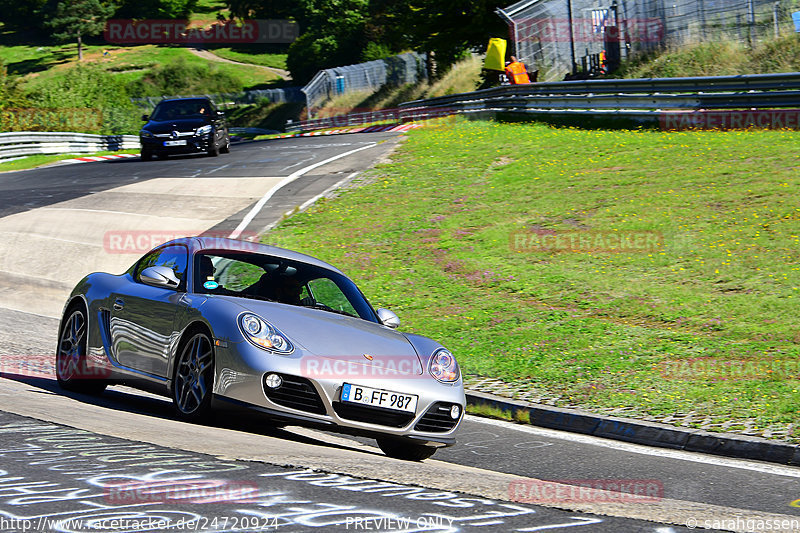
column 159, row 276
column 388, row 318
column 145, row 117
column 220, row 113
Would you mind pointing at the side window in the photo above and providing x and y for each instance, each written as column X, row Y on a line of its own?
column 326, row 292
column 238, row 275
column 173, row 256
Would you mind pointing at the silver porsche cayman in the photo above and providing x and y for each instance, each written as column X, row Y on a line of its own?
column 227, row 324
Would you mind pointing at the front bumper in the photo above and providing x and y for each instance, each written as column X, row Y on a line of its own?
column 315, row 400
column 188, row 144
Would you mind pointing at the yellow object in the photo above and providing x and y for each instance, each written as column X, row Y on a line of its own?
column 496, row 54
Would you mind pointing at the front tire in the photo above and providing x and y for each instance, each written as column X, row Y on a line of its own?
column 404, row 450
column 146, row 155
column 226, row 148
column 213, row 150
column 194, row 379
column 72, row 372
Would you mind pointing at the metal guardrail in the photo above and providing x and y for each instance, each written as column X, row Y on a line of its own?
column 350, row 119
column 20, row 144
column 250, row 132
column 634, row 97
column 369, row 117
column 642, row 100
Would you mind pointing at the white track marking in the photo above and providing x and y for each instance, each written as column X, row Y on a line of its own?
column 285, row 181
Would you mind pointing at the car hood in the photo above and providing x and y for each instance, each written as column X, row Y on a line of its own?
column 331, row 335
column 167, row 126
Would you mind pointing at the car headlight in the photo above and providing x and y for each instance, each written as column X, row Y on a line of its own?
column 443, row 366
column 263, row 334
column 203, row 130
column 145, row 133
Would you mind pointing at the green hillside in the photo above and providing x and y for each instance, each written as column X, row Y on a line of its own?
column 699, row 319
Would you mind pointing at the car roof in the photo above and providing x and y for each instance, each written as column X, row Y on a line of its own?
column 189, row 98
column 196, row 99
column 201, row 244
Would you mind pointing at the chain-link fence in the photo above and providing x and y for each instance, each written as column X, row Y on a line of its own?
column 372, row 75
column 558, row 37
column 396, row 70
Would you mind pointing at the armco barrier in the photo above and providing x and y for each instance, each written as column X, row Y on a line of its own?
column 640, row 100
column 643, row 100
column 24, row 143
column 381, row 116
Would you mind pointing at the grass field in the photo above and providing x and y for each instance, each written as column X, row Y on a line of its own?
column 718, row 57
column 251, row 54
column 127, row 63
column 702, row 320
column 39, row 60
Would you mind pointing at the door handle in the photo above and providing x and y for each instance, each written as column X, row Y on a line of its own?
column 119, row 304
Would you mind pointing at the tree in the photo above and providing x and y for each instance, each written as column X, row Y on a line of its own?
column 448, row 28
column 155, row 9
column 263, row 9
column 75, row 18
column 333, row 35
column 22, row 15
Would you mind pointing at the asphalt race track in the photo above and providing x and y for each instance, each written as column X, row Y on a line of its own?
column 72, row 462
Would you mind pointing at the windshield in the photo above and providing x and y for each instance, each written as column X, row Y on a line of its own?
column 180, row 109
column 264, row 277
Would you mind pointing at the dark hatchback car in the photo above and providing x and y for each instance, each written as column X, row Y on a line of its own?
column 184, row 125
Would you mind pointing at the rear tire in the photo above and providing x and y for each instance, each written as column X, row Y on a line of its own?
column 404, row 450
column 72, row 372
column 192, row 386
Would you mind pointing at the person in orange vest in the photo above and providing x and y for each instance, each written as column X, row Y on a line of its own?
column 516, row 72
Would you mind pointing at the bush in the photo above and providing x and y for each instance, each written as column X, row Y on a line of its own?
column 779, row 55
column 375, row 51
column 155, row 9
column 10, row 94
column 89, row 87
column 182, row 78
column 310, row 53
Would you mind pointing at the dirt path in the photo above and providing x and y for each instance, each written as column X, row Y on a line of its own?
column 210, row 56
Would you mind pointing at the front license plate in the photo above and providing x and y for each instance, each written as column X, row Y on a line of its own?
column 175, row 143
column 379, row 398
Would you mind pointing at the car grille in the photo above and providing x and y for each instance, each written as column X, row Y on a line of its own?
column 436, row 419
column 169, row 135
column 296, row 393
column 372, row 415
